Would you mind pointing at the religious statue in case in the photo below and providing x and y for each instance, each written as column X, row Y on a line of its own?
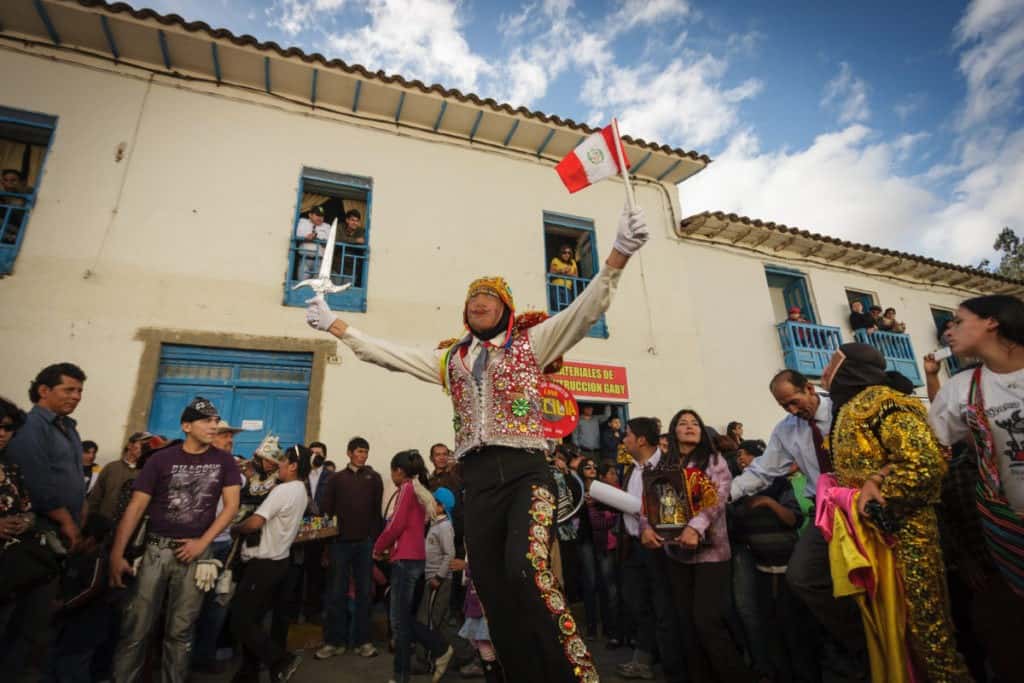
column 673, row 496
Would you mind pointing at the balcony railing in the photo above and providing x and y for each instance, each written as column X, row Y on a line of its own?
column 807, row 348
column 898, row 352
column 563, row 290
column 14, row 212
column 349, row 265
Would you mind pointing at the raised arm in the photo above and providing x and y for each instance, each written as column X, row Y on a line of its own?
column 422, row 364
column 774, row 462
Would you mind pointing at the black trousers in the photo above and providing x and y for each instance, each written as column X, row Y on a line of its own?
column 510, row 508
column 699, row 591
column 647, row 593
column 260, row 589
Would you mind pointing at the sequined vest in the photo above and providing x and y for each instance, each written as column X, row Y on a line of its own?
column 504, row 408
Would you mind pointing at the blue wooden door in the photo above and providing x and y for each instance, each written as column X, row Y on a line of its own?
column 264, row 392
column 796, row 294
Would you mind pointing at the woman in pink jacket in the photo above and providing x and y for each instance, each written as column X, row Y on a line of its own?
column 403, row 542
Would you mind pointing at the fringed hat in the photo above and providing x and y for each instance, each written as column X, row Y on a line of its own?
column 494, row 286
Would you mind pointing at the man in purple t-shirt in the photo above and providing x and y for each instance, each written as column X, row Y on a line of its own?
column 179, row 489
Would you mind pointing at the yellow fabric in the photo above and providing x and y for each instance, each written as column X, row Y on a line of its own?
column 310, row 200
column 560, row 267
column 882, row 429
column 885, row 614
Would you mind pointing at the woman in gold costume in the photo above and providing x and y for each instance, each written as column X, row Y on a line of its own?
column 881, row 444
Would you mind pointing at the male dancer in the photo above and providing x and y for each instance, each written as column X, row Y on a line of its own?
column 493, row 374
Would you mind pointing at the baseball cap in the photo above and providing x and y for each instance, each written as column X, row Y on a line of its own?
column 794, row 309
column 199, row 408
column 139, row 436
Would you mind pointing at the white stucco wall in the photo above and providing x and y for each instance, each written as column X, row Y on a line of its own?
column 191, row 231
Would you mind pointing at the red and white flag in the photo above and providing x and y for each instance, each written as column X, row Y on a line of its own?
column 596, row 158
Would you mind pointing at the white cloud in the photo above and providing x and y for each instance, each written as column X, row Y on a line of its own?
column 991, row 34
column 682, row 102
column 848, row 94
column 296, row 16
column 633, row 13
column 417, row 38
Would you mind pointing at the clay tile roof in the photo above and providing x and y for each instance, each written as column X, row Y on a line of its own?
column 357, row 69
column 687, row 224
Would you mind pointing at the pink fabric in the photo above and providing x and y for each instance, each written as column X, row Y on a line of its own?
column 404, row 531
column 831, row 496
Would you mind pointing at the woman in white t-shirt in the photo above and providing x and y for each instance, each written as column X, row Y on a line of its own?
column 985, row 406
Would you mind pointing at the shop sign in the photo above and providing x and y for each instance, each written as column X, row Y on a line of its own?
column 594, row 381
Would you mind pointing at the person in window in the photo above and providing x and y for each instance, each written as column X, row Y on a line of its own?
column 12, row 181
column 310, row 232
column 889, row 323
column 795, row 315
column 562, row 291
column 353, row 231
column 859, row 320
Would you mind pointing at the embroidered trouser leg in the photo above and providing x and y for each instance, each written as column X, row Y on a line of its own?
column 929, row 623
column 510, row 506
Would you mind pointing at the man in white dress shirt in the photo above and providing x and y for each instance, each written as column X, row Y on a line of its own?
column 799, row 439
column 493, row 375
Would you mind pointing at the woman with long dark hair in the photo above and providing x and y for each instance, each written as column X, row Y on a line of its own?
column 984, row 407
column 881, row 444
column 403, row 542
column 700, row 573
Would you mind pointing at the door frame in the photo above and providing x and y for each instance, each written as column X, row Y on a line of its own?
column 324, row 352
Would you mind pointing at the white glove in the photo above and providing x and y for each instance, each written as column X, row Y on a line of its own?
column 632, row 231
column 318, row 314
column 206, row 573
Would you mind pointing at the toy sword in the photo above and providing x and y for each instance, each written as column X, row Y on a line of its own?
column 322, row 284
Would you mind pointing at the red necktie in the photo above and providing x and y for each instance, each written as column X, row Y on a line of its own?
column 824, row 457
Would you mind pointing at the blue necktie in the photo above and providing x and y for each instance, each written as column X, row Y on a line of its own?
column 480, row 364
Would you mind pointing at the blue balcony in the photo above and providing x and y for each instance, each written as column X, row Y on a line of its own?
column 14, row 212
column 349, row 265
column 898, row 352
column 563, row 290
column 807, row 348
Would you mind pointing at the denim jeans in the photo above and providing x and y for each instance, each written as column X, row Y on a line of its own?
column 748, row 607
column 212, row 617
column 160, row 576
column 599, row 589
column 349, row 559
column 404, row 575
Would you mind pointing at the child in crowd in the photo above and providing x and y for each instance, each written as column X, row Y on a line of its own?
column 475, row 630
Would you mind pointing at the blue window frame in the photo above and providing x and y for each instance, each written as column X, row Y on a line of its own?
column 336, row 194
column 560, row 231
column 26, row 137
column 866, row 298
column 795, row 291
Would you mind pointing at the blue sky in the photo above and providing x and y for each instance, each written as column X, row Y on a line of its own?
column 896, row 124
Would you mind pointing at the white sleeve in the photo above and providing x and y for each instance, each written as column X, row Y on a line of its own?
column 559, row 333
column 420, row 363
column 273, row 504
column 773, row 463
column 303, row 228
column 945, row 416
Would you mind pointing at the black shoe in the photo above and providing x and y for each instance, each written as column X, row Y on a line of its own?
column 279, row 673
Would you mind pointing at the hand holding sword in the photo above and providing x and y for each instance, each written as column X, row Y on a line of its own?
column 319, row 314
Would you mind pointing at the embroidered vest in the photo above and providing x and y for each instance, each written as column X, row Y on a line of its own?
column 504, row 408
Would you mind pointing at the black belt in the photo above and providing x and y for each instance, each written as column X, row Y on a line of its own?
column 164, row 542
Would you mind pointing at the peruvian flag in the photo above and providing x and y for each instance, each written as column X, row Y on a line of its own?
column 596, row 158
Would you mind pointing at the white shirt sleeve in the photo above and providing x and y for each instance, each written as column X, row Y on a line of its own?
column 273, row 504
column 304, row 228
column 945, row 416
column 422, row 364
column 559, row 333
column 775, row 462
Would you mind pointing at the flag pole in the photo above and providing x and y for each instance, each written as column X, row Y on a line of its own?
column 630, row 199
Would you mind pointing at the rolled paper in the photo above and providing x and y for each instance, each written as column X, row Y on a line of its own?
column 614, row 497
